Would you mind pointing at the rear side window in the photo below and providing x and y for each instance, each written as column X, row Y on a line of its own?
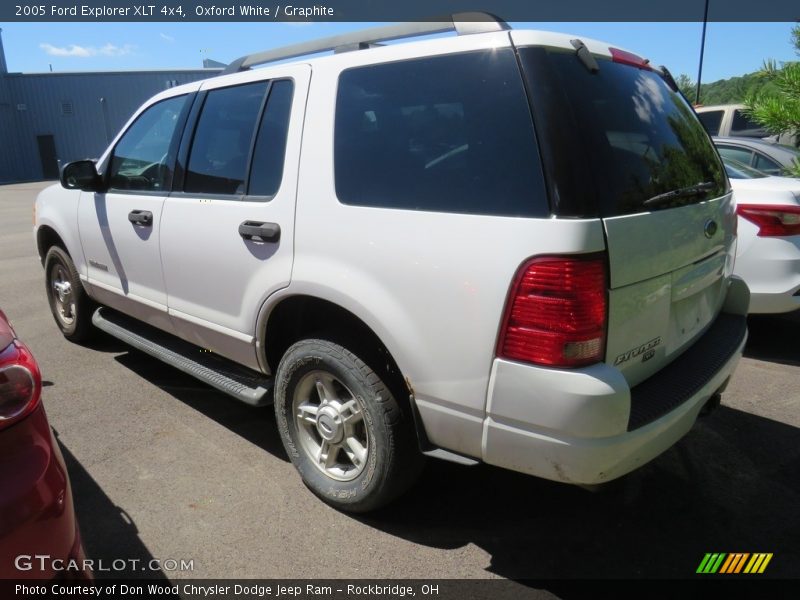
column 266, row 169
column 737, row 170
column 745, row 126
column 448, row 134
column 711, row 120
column 767, row 165
column 740, row 154
column 223, row 138
column 615, row 142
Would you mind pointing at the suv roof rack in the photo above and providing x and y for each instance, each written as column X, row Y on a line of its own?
column 462, row 23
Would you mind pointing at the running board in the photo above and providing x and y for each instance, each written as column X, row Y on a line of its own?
column 459, row 459
column 240, row 382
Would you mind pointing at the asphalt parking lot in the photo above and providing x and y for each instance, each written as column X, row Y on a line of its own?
column 165, row 467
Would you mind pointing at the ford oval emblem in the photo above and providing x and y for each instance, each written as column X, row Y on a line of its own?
column 710, row 228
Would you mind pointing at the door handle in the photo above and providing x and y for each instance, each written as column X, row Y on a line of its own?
column 141, row 217
column 260, row 232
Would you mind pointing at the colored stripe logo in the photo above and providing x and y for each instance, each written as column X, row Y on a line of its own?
column 734, row 563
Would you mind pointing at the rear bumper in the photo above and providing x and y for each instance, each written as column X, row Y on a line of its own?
column 764, row 303
column 771, row 268
column 586, row 426
column 37, row 517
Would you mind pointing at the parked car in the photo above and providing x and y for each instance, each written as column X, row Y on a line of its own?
column 37, row 518
column 768, row 252
column 772, row 159
column 505, row 246
column 730, row 120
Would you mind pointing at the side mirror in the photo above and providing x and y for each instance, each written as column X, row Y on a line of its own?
column 81, row 175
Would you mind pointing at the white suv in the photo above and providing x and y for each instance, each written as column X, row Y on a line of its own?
column 503, row 246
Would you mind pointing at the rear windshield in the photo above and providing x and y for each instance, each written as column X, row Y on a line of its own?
column 614, row 139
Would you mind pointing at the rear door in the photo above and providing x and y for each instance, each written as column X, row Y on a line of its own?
column 227, row 234
column 638, row 157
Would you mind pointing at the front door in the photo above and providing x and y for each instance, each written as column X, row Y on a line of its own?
column 120, row 228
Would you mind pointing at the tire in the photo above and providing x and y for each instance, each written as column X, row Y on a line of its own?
column 342, row 428
column 69, row 303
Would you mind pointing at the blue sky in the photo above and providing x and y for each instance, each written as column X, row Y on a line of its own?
column 731, row 48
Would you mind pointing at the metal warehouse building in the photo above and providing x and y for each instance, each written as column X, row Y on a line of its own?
column 47, row 119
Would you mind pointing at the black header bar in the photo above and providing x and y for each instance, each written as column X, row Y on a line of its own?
column 394, row 10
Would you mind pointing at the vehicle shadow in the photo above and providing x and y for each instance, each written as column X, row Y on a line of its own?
column 732, row 485
column 102, row 342
column 256, row 425
column 774, row 338
column 109, row 534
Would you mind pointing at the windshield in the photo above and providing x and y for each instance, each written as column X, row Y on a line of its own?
column 737, row 170
column 614, row 139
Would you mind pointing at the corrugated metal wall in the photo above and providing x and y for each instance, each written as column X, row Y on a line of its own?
column 82, row 111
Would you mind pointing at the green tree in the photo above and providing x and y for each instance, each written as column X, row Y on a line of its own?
column 778, row 109
column 686, row 86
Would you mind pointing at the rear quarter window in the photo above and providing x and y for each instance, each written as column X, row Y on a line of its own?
column 447, row 134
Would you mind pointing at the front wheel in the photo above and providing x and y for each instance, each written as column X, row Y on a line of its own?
column 71, row 307
column 344, row 431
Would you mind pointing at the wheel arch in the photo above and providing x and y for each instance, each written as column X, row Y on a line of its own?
column 47, row 237
column 296, row 317
column 55, row 217
column 301, row 316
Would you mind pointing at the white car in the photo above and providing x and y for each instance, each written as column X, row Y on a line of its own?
column 768, row 252
column 726, row 120
column 505, row 246
column 729, row 119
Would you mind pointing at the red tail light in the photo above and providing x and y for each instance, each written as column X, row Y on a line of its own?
column 772, row 220
column 629, row 58
column 556, row 312
column 20, row 384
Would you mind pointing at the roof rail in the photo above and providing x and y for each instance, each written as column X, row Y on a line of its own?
column 462, row 23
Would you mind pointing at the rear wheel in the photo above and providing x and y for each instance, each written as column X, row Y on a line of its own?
column 71, row 307
column 343, row 429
